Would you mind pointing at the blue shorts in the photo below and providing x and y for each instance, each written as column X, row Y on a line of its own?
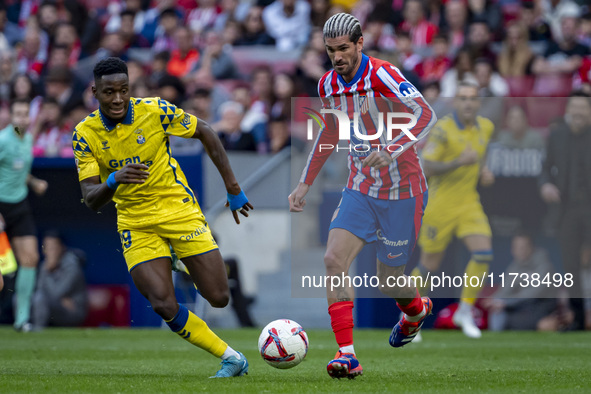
column 394, row 224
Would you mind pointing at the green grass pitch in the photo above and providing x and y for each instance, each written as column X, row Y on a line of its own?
column 146, row 361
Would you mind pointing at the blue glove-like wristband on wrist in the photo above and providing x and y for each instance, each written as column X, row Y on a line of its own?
column 111, row 182
column 237, row 201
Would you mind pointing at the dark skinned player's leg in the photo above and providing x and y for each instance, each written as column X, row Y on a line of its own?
column 209, row 274
column 154, row 281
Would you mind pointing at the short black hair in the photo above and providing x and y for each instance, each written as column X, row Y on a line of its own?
column 109, row 66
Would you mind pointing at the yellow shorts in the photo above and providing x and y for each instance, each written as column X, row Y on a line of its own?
column 440, row 225
column 188, row 236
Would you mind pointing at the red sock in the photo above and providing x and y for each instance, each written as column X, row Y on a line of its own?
column 414, row 307
column 341, row 320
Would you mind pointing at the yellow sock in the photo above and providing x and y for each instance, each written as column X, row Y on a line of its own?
column 477, row 266
column 194, row 330
column 422, row 285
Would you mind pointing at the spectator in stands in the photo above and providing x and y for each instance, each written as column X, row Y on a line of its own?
column 129, row 6
column 128, row 32
column 488, row 11
column 454, row 23
column 565, row 180
column 442, row 106
column 229, row 131
column 53, row 135
column 164, row 37
column 60, row 298
column 531, row 18
column 66, row 35
column 185, row 57
column 22, row 88
column 279, row 135
column 308, row 72
column 319, row 12
column 404, row 48
column 479, row 41
column 288, row 22
column 32, row 55
column 253, row 29
column 231, row 33
column 216, row 59
column 565, row 55
column 171, row 89
column 518, row 134
column 432, row 68
column 87, row 25
column 203, row 17
column 230, row 11
column 59, row 56
column 378, row 33
column 135, row 71
column 61, row 85
column 283, row 90
column 554, row 10
column 10, row 33
column 515, row 58
column 262, row 87
column 112, row 44
column 461, row 71
column 47, row 17
column 255, row 119
column 518, row 307
column 200, row 103
column 584, row 31
column 7, row 71
column 158, row 69
column 421, row 31
column 490, row 83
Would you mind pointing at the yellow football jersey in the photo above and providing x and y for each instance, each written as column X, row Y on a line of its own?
column 102, row 147
column 448, row 139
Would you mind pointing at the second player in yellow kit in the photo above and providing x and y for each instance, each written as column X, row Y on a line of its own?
column 453, row 160
column 123, row 155
column 454, row 207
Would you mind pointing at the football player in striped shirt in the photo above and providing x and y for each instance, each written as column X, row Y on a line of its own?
column 386, row 192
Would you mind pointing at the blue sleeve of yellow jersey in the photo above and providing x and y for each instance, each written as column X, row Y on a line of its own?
column 175, row 121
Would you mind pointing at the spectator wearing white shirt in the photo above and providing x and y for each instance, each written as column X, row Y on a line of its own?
column 288, row 22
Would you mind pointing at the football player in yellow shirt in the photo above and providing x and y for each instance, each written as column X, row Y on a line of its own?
column 453, row 160
column 123, row 154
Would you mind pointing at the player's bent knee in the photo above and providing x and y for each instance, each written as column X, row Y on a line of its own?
column 219, row 299
column 333, row 263
column 165, row 308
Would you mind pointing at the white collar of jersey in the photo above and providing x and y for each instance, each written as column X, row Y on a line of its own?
column 129, row 116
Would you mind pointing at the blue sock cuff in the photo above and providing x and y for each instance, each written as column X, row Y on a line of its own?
column 179, row 320
column 482, row 256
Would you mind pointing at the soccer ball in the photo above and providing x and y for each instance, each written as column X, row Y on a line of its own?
column 283, row 344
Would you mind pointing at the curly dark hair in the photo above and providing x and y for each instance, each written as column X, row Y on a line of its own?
column 109, row 66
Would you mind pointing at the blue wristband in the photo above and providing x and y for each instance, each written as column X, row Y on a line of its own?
column 111, row 182
column 237, row 201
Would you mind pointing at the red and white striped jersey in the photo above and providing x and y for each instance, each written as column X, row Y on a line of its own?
column 378, row 87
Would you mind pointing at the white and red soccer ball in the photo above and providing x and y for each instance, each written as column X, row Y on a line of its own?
column 283, row 344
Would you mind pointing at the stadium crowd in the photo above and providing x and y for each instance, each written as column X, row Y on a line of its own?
column 198, row 54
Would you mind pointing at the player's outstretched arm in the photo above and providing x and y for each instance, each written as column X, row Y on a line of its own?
column 237, row 200
column 296, row 198
column 97, row 194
